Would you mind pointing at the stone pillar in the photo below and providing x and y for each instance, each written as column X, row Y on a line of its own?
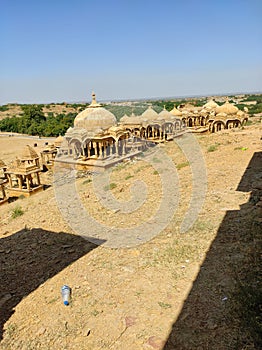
column 20, row 182
column 30, row 180
column 27, row 183
column 100, row 154
column 38, row 178
column 102, row 150
column 95, row 148
column 10, row 180
column 124, row 147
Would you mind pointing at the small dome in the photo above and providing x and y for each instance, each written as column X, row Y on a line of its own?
column 227, row 108
column 133, row 119
column 164, row 114
column 211, row 104
column 149, row 114
column 240, row 113
column 124, row 118
column 29, row 153
column 58, row 141
column 94, row 116
column 175, row 111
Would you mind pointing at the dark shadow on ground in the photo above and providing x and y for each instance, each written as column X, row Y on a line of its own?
column 30, row 257
column 223, row 308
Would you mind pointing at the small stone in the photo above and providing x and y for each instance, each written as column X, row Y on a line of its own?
column 156, row 343
column 87, row 332
column 130, row 321
column 41, row 331
column 128, row 269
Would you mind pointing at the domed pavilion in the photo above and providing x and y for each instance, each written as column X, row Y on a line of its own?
column 95, row 135
column 212, row 117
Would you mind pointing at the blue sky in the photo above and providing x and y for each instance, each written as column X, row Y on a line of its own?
column 59, row 50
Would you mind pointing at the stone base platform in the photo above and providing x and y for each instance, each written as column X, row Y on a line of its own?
column 17, row 192
column 96, row 164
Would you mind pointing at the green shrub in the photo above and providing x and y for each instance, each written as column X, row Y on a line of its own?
column 110, row 186
column 4, row 108
column 182, row 165
column 87, row 181
column 212, row 148
column 17, row 211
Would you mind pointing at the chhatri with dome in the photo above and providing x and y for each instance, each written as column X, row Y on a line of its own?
column 98, row 139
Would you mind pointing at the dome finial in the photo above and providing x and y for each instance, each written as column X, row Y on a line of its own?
column 93, row 97
column 94, row 102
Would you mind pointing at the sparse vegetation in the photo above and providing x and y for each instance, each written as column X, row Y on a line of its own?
column 17, row 211
column 156, row 160
column 87, row 181
column 164, row 305
column 240, row 148
column 182, row 165
column 4, row 108
column 110, row 186
column 213, row 148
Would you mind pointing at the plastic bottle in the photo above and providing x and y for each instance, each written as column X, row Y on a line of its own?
column 65, row 291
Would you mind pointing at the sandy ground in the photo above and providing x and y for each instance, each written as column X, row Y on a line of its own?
column 126, row 298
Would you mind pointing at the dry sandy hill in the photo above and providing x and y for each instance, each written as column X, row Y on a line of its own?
column 16, row 110
column 176, row 291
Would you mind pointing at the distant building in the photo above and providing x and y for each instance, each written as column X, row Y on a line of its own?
column 97, row 138
column 212, row 117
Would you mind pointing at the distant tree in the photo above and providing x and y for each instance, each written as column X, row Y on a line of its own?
column 33, row 113
column 4, row 108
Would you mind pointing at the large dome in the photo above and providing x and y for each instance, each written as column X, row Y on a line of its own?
column 94, row 117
